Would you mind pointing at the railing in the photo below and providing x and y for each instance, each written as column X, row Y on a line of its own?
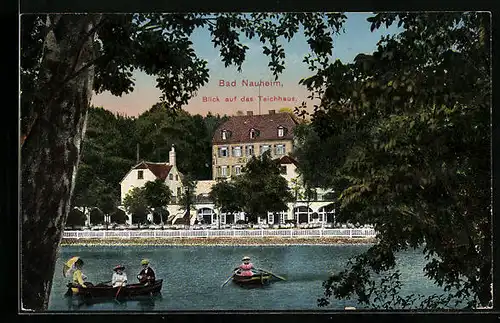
column 127, row 234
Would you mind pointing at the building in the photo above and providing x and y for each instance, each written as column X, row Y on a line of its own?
column 145, row 171
column 242, row 137
column 234, row 142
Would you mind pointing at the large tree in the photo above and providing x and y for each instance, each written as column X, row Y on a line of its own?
column 157, row 195
column 187, row 199
column 227, row 196
column 136, row 203
column 66, row 57
column 409, row 127
column 265, row 190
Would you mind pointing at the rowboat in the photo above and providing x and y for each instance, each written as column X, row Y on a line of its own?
column 106, row 291
column 258, row 278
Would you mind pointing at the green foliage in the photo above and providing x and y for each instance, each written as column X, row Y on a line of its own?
column 407, row 132
column 264, row 189
column 227, row 196
column 107, row 154
column 136, row 203
column 188, row 196
column 76, row 218
column 119, row 217
column 96, row 216
column 160, row 215
column 384, row 292
column 157, row 193
column 158, row 130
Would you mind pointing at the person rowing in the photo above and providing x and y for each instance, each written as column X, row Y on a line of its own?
column 119, row 276
column 245, row 269
column 147, row 274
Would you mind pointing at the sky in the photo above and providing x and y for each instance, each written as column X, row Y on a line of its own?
column 239, row 95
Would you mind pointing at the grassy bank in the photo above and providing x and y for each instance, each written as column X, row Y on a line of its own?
column 222, row 241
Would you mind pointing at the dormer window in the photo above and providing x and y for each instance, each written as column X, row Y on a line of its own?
column 225, row 134
column 254, row 133
column 281, row 131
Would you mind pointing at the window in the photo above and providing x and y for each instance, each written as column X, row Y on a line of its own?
column 179, row 192
column 237, row 170
column 237, row 151
column 281, row 131
column 171, row 177
column 283, row 170
column 224, row 134
column 264, row 148
column 253, row 133
column 223, row 152
column 223, row 171
column 250, row 151
column 280, row 149
column 140, row 174
column 176, row 177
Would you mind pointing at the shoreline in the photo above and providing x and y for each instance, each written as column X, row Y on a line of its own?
column 219, row 241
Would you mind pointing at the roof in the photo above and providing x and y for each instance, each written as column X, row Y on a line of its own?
column 287, row 160
column 266, row 124
column 160, row 170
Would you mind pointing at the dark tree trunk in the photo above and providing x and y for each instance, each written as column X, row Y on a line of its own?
column 50, row 154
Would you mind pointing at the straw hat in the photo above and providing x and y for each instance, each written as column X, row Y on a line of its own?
column 119, row 267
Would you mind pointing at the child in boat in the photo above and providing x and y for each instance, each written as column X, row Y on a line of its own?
column 119, row 276
column 245, row 269
column 78, row 277
column 147, row 275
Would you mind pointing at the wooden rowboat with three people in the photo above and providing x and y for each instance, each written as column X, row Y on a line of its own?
column 106, row 291
column 119, row 287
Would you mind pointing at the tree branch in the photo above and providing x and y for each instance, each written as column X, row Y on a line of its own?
column 82, row 41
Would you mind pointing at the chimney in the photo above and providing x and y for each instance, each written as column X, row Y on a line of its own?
column 137, row 153
column 272, row 112
column 249, row 113
column 171, row 156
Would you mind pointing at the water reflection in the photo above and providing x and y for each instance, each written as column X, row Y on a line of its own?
column 143, row 303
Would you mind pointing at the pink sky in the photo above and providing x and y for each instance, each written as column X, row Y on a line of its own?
column 146, row 94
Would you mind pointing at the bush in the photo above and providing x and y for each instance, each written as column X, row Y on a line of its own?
column 241, row 222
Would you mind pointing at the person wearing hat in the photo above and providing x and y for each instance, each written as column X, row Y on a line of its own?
column 147, row 275
column 245, row 269
column 78, row 277
column 119, row 276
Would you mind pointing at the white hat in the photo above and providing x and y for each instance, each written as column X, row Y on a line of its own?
column 245, row 258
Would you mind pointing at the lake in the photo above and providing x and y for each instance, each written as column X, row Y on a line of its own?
column 193, row 276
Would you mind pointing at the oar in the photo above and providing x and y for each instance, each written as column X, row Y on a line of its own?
column 227, row 280
column 267, row 271
column 118, row 292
